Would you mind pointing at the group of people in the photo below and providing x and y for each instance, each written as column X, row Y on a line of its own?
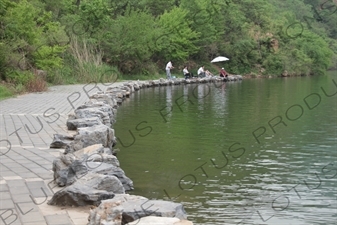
column 201, row 72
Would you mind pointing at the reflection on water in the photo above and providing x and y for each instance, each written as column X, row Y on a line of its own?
column 260, row 151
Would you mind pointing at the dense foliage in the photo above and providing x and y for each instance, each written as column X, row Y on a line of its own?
column 79, row 40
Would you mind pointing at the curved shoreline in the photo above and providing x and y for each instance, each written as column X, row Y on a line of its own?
column 93, row 122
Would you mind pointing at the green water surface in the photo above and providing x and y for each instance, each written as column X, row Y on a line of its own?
column 260, row 151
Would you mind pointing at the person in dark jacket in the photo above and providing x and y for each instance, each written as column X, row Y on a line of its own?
column 223, row 73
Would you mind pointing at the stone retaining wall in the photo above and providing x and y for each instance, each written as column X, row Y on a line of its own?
column 89, row 171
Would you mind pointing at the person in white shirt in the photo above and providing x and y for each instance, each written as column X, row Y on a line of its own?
column 168, row 70
column 201, row 72
column 186, row 73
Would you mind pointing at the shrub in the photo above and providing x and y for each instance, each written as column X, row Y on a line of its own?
column 37, row 84
column 20, row 77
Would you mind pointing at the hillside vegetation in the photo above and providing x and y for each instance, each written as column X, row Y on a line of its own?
column 69, row 41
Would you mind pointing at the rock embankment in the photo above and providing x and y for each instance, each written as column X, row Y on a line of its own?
column 89, row 171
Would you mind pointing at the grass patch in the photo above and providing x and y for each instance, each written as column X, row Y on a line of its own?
column 5, row 92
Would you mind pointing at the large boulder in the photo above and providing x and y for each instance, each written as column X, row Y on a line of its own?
column 146, row 84
column 239, row 77
column 108, row 169
column 63, row 176
column 143, row 84
column 98, row 134
column 133, row 210
column 231, row 78
column 94, row 112
column 73, row 124
column 90, row 189
column 154, row 82
column 95, row 103
column 170, row 82
column 118, row 92
column 178, row 81
column 104, row 98
column 61, row 141
column 92, row 153
column 123, row 209
column 163, row 82
column 128, row 87
column 68, row 169
column 136, row 86
column 110, row 211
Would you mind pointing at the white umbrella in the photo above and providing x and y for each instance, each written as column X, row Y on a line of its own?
column 219, row 59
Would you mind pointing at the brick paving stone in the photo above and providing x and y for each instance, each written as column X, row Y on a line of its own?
column 22, row 161
column 39, row 144
column 44, row 163
column 38, row 189
column 5, row 159
column 48, row 167
column 20, row 169
column 9, row 216
column 61, row 219
column 9, row 163
column 21, row 198
column 32, row 217
column 5, row 195
column 45, row 175
column 28, row 163
column 28, row 175
column 38, row 169
column 16, row 148
column 26, row 207
column 16, row 183
column 37, row 223
column 3, row 187
column 4, row 169
column 41, row 192
column 35, row 184
column 13, row 178
column 8, row 174
column 6, row 204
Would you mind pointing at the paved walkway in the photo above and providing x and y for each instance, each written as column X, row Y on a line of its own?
column 27, row 125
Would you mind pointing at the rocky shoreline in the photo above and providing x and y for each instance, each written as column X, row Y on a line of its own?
column 89, row 172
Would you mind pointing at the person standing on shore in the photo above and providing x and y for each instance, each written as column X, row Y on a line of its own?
column 201, row 71
column 168, row 70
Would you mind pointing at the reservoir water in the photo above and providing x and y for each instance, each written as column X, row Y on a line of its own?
column 260, row 151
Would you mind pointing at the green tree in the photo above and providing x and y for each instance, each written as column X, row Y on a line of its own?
column 157, row 7
column 128, row 40
column 175, row 39
column 27, row 35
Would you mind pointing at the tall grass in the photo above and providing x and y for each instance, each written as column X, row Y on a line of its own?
column 83, row 64
column 87, row 62
column 88, row 59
